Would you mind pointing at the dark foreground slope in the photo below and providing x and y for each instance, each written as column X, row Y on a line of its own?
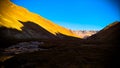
column 110, row 34
column 84, row 56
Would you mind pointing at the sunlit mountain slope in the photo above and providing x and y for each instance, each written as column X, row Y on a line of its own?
column 11, row 14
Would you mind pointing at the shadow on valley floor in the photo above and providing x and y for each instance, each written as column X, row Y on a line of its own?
column 84, row 56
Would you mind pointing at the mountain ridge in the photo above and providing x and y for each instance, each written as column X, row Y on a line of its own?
column 11, row 13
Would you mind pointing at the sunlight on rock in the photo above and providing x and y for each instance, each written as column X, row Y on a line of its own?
column 11, row 14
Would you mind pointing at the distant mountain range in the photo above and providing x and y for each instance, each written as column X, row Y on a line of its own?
column 84, row 33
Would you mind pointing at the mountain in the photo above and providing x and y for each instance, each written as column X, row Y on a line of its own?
column 84, row 33
column 110, row 34
column 17, row 23
column 11, row 15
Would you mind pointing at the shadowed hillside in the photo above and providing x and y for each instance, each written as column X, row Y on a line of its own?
column 30, row 32
column 110, row 34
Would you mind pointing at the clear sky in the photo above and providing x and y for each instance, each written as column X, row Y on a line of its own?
column 75, row 14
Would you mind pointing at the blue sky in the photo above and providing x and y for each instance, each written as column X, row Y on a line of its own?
column 75, row 14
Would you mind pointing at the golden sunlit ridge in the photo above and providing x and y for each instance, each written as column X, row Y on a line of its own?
column 11, row 14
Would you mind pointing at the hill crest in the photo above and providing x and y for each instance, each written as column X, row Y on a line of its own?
column 10, row 14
